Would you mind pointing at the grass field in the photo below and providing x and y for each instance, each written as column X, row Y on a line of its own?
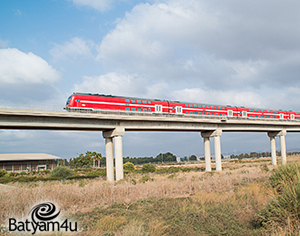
column 237, row 201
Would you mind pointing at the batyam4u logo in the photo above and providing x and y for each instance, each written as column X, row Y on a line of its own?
column 44, row 218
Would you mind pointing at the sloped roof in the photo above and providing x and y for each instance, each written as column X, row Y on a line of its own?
column 27, row 156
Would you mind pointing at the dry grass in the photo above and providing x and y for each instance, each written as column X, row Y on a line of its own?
column 74, row 196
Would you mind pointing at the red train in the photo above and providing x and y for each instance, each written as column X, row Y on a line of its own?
column 100, row 102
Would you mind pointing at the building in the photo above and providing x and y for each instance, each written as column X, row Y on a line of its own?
column 28, row 162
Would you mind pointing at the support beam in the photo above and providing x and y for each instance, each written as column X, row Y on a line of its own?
column 217, row 141
column 273, row 150
column 218, row 158
column 109, row 159
column 207, row 154
column 117, row 135
column 119, row 157
column 283, row 149
column 272, row 136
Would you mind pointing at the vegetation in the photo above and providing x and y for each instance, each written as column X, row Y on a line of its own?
column 283, row 212
column 128, row 166
column 61, row 172
column 148, row 168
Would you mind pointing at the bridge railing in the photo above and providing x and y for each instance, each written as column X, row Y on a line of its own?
column 37, row 107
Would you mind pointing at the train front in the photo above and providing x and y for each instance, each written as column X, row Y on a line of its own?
column 70, row 102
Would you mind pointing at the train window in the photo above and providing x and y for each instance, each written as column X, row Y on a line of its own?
column 145, row 110
column 178, row 110
column 199, row 113
column 149, row 109
column 133, row 109
column 133, row 101
column 138, row 101
column 191, row 112
column 199, row 106
column 217, row 114
column 212, row 114
column 187, row 112
column 195, row 112
column 145, row 102
column 208, row 113
column 127, row 109
column 186, row 105
column 158, row 108
column 195, row 105
column 190, row 105
column 204, row 113
column 139, row 109
column 149, row 102
column 127, row 100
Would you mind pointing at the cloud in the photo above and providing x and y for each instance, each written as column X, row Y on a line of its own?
column 120, row 84
column 99, row 5
column 209, row 44
column 25, row 77
column 229, row 97
column 3, row 43
column 77, row 47
column 17, row 67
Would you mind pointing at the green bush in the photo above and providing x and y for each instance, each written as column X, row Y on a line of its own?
column 148, row 168
column 145, row 179
column 61, row 172
column 3, row 173
column 284, row 209
column 128, row 166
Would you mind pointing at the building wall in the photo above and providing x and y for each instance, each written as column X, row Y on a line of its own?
column 28, row 165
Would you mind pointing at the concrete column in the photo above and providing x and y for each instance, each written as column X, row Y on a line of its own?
column 283, row 149
column 109, row 159
column 119, row 157
column 217, row 142
column 207, row 154
column 272, row 136
column 117, row 134
column 273, row 150
column 206, row 135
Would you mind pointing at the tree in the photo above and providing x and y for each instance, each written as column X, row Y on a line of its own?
column 193, row 158
column 86, row 160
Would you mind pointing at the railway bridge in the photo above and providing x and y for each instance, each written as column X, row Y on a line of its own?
column 113, row 126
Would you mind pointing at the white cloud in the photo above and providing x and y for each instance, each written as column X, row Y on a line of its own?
column 25, row 68
column 119, row 84
column 208, row 43
column 99, row 5
column 3, row 43
column 77, row 47
column 237, row 98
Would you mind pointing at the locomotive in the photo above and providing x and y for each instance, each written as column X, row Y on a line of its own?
column 99, row 102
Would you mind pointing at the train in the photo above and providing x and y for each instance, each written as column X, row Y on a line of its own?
column 100, row 102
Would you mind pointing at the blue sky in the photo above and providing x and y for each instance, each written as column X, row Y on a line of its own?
column 221, row 52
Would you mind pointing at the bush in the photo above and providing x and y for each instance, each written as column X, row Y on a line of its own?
column 2, row 173
column 148, row 168
column 128, row 166
column 284, row 210
column 61, row 172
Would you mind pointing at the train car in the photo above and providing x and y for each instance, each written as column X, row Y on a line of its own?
column 101, row 102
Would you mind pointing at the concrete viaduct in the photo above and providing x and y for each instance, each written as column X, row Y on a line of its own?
column 114, row 124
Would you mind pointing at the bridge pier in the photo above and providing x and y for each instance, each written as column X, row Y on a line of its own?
column 272, row 136
column 217, row 142
column 117, row 135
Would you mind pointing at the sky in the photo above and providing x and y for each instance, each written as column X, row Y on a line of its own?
column 242, row 53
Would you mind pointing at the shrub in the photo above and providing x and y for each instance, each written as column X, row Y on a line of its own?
column 284, row 209
column 3, row 172
column 145, row 179
column 148, row 168
column 128, row 166
column 61, row 172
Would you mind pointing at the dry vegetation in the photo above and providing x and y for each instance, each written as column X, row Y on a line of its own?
column 240, row 184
